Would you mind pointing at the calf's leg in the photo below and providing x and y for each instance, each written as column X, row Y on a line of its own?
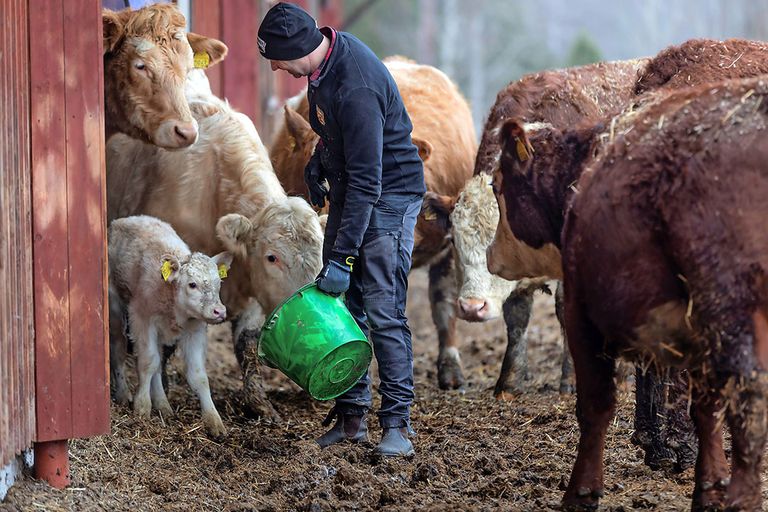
column 442, row 299
column 711, row 473
column 157, row 393
column 194, row 346
column 148, row 361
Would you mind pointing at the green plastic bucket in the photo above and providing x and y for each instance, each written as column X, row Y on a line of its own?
column 313, row 339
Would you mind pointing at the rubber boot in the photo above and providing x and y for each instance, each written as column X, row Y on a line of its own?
column 348, row 427
column 395, row 443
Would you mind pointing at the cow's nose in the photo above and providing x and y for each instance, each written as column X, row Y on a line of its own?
column 473, row 308
column 186, row 132
column 220, row 313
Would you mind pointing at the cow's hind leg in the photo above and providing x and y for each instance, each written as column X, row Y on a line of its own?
column 517, row 313
column 442, row 299
column 680, row 436
column 566, row 369
column 595, row 407
column 711, row 467
column 118, row 353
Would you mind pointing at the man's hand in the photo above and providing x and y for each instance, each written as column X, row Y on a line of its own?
column 335, row 275
column 315, row 181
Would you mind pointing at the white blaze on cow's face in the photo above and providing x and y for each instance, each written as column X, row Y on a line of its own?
column 147, row 55
column 473, row 221
column 281, row 245
column 198, row 283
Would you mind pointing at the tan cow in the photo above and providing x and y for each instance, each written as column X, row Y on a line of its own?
column 443, row 132
column 221, row 193
column 147, row 55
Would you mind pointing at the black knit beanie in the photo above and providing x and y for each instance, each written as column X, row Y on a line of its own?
column 287, row 32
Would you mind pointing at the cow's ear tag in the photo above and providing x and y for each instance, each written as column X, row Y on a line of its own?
column 202, row 60
column 222, row 271
column 429, row 213
column 522, row 151
column 165, row 270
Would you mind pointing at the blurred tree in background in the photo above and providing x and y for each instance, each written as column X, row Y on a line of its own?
column 484, row 44
column 584, row 51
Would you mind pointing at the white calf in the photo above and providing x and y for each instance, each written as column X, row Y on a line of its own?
column 168, row 294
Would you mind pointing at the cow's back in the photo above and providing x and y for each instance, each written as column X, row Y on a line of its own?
column 561, row 98
column 701, row 61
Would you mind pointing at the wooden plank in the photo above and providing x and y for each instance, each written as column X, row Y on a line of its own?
column 240, row 25
column 25, row 224
column 50, row 242
column 16, row 405
column 86, row 225
column 331, row 13
column 206, row 21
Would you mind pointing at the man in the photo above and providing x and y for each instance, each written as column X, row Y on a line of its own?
column 375, row 188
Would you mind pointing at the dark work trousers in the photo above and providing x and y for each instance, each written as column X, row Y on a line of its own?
column 376, row 298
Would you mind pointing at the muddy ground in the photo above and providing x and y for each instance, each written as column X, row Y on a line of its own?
column 473, row 452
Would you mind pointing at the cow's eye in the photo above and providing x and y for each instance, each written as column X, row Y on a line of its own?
column 272, row 258
column 139, row 65
column 193, row 285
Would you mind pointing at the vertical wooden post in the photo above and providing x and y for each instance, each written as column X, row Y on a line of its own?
column 52, row 463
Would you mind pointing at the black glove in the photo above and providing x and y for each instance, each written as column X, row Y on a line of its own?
column 335, row 275
column 315, row 181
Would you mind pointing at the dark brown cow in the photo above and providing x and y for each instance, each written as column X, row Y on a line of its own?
column 528, row 235
column 147, row 55
column 665, row 261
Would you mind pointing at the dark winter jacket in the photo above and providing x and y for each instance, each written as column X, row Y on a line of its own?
column 365, row 148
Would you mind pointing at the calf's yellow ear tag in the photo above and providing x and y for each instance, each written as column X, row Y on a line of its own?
column 202, row 60
column 429, row 213
column 165, row 270
column 222, row 271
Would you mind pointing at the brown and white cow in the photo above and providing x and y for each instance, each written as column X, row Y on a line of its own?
column 559, row 97
column 221, row 193
column 147, row 55
column 665, row 259
column 444, row 134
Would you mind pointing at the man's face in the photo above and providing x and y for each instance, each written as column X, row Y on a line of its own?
column 297, row 68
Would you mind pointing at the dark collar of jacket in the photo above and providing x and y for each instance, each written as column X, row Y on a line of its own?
column 339, row 48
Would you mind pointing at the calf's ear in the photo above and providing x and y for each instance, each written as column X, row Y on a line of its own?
column 514, row 140
column 215, row 49
column 169, row 267
column 234, row 230
column 438, row 208
column 224, row 258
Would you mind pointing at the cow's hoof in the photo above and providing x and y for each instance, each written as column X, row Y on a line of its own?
column 213, row 425
column 566, row 388
column 506, row 396
column 122, row 397
column 255, row 402
column 142, row 406
column 709, row 496
column 582, row 499
column 449, row 374
column 165, row 409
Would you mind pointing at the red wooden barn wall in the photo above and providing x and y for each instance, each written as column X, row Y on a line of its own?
column 17, row 413
column 69, row 232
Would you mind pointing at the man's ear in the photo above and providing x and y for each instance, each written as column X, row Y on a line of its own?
column 514, row 140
